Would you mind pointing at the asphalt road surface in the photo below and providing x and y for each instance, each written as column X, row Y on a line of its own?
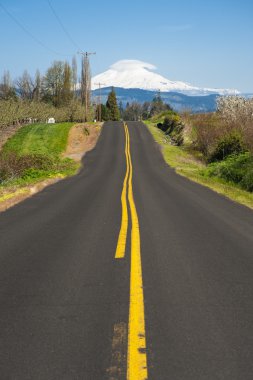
column 126, row 271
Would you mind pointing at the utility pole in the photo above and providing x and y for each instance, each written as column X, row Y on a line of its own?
column 86, row 81
column 100, row 100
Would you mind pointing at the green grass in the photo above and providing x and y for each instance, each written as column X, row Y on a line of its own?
column 45, row 139
column 43, row 144
column 189, row 164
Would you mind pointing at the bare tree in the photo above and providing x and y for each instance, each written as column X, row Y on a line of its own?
column 7, row 91
column 25, row 86
column 37, row 87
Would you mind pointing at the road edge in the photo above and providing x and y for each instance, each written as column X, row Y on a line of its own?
column 223, row 188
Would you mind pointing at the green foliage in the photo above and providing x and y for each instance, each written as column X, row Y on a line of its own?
column 237, row 169
column 159, row 118
column 104, row 113
column 112, row 106
column 46, row 139
column 34, row 153
column 187, row 164
column 157, row 106
column 57, row 84
column 230, row 144
column 173, row 127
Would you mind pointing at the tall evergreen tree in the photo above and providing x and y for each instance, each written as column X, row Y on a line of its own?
column 112, row 106
column 104, row 113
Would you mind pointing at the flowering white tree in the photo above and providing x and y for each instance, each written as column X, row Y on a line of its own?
column 235, row 108
column 237, row 113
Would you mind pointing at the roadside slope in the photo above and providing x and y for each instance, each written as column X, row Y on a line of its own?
column 40, row 155
column 187, row 165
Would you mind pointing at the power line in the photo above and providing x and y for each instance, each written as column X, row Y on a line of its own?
column 29, row 33
column 62, row 25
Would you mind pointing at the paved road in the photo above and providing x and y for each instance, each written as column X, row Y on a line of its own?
column 66, row 311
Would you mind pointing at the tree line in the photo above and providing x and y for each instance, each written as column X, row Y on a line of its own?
column 136, row 111
column 56, row 87
column 59, row 93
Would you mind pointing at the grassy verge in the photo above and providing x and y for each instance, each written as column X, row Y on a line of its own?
column 187, row 164
column 33, row 154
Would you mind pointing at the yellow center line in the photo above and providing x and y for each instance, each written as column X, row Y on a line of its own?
column 136, row 356
column 121, row 246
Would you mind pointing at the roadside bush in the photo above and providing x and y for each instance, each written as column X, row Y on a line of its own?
column 235, row 168
column 173, row 127
column 206, row 131
column 247, row 180
column 230, row 144
column 176, row 135
column 13, row 165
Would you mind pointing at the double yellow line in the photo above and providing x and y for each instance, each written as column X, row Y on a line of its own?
column 136, row 356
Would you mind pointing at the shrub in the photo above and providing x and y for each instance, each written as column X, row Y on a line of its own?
column 173, row 126
column 247, row 180
column 230, row 144
column 13, row 166
column 206, row 130
column 236, row 168
column 176, row 135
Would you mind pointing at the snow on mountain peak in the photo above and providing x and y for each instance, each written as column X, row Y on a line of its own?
column 131, row 73
column 131, row 65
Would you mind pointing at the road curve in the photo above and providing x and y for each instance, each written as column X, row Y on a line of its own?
column 66, row 299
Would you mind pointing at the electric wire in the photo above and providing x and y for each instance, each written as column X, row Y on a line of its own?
column 21, row 26
column 62, row 25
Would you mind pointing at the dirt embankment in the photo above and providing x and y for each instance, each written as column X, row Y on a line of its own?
column 82, row 138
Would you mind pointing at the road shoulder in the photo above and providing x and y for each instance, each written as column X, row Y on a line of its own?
column 186, row 165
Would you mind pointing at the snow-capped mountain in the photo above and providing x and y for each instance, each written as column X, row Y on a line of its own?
column 141, row 75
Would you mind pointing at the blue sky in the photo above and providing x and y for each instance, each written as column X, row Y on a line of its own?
column 206, row 43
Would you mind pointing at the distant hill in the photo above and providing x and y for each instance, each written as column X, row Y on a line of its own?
column 177, row 100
